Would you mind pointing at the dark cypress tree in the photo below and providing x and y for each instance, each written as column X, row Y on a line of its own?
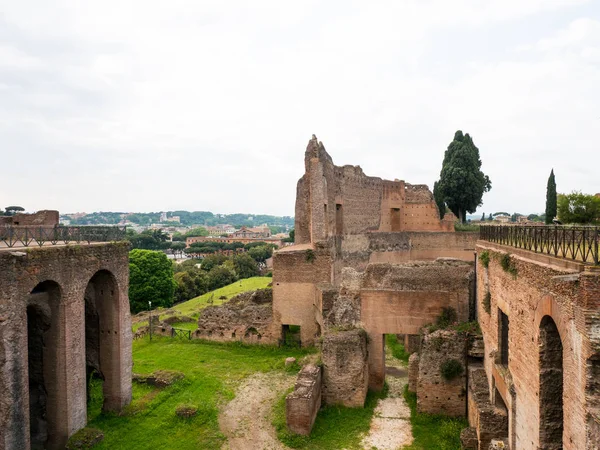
column 462, row 183
column 483, row 217
column 439, row 199
column 551, row 198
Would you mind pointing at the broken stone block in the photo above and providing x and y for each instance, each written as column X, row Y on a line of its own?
column 345, row 368
column 302, row 405
column 289, row 361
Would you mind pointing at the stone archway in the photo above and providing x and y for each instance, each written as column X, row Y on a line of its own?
column 103, row 336
column 551, row 385
column 47, row 396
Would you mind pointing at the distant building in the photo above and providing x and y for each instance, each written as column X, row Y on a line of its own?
column 220, row 230
column 502, row 218
column 260, row 232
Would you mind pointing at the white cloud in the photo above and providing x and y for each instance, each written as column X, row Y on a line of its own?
column 209, row 105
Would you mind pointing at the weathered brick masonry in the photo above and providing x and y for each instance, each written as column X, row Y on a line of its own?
column 540, row 323
column 64, row 310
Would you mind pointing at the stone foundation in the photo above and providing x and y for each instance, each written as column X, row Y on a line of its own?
column 413, row 372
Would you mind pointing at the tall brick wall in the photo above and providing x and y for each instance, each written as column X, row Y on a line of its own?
column 69, row 275
column 526, row 294
column 333, row 200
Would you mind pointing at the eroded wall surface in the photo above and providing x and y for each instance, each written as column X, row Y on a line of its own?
column 530, row 294
column 69, row 270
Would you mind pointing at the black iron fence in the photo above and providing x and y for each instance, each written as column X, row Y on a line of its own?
column 26, row 236
column 579, row 243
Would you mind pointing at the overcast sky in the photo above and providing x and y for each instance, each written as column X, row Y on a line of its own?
column 154, row 105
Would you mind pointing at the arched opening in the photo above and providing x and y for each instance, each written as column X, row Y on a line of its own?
column 102, row 341
column 42, row 364
column 551, row 385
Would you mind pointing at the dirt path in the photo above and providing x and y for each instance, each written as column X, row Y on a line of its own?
column 390, row 426
column 246, row 420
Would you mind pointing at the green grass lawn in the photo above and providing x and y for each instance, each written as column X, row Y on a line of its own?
column 336, row 427
column 194, row 305
column 433, row 431
column 212, row 370
column 397, row 348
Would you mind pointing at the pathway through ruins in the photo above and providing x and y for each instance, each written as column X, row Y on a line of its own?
column 390, row 426
column 246, row 420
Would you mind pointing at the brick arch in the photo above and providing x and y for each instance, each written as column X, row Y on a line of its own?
column 547, row 306
column 103, row 334
column 46, row 366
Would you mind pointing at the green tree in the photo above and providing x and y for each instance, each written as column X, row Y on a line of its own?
column 245, row 266
column 212, row 261
column 462, row 183
column 438, row 196
column 578, row 208
column 551, row 200
column 261, row 253
column 292, row 236
column 150, row 279
column 12, row 210
column 194, row 232
column 483, row 217
column 177, row 248
column 220, row 276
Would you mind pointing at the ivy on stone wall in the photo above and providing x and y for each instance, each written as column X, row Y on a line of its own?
column 484, row 257
column 450, row 369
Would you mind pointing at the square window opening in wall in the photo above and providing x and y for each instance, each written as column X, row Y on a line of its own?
column 290, row 336
column 503, row 329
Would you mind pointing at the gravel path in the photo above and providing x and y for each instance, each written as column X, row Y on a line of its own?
column 246, row 420
column 390, row 426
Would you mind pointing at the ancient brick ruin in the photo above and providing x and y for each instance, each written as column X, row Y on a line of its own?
column 371, row 258
column 64, row 314
column 540, row 318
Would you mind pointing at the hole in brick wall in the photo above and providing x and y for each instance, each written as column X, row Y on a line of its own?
column 551, row 385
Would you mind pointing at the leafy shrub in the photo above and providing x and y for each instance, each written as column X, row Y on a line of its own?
column 447, row 317
column 310, row 255
column 484, row 257
column 508, row 265
column 450, row 369
column 487, row 302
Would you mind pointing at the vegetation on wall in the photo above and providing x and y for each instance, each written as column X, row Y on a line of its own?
column 487, row 302
column 484, row 257
column 507, row 264
column 450, row 369
column 462, row 183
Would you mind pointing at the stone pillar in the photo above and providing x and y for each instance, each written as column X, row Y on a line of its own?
column 345, row 370
column 412, row 342
column 376, row 361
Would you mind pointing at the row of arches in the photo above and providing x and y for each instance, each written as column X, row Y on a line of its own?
column 47, row 359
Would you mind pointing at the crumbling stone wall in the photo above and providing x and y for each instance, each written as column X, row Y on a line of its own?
column 435, row 393
column 44, row 218
column 333, row 200
column 489, row 421
column 63, row 273
column 303, row 404
column 402, row 298
column 247, row 317
column 345, row 371
column 535, row 287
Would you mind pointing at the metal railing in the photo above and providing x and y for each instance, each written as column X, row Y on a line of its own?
column 579, row 243
column 181, row 333
column 27, row 236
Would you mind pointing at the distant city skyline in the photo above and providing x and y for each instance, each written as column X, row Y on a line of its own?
column 140, row 106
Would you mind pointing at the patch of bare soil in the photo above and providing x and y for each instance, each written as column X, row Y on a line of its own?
column 246, row 420
column 390, row 426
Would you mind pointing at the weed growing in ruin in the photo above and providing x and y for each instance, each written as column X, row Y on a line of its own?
column 433, row 430
column 467, row 327
column 487, row 302
column 484, row 257
column 447, row 317
column 310, row 256
column 450, row 369
column 508, row 265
